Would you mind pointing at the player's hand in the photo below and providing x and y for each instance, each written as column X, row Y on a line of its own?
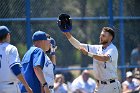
column 58, row 84
column 83, row 50
column 29, row 90
column 53, row 42
column 53, row 46
column 46, row 89
column 67, row 34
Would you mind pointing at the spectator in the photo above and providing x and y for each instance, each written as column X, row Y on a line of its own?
column 135, row 56
column 137, row 77
column 130, row 85
column 59, row 85
column 83, row 83
column 137, row 73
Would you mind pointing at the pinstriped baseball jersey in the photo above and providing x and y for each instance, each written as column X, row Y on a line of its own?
column 104, row 70
column 8, row 57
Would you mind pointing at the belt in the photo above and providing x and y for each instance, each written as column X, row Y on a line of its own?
column 51, row 87
column 11, row 83
column 106, row 82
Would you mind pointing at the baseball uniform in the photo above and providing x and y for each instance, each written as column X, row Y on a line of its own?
column 33, row 57
column 8, row 58
column 48, row 71
column 105, row 72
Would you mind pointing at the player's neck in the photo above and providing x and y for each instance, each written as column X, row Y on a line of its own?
column 106, row 45
column 2, row 41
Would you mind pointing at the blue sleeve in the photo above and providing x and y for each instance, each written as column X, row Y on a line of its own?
column 16, row 69
column 38, row 58
column 54, row 66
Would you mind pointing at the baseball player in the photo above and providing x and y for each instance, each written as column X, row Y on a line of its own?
column 49, row 66
column 33, row 63
column 10, row 67
column 104, row 56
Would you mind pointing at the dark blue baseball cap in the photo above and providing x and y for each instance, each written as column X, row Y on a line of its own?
column 39, row 35
column 4, row 30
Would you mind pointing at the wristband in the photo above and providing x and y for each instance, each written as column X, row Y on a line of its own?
column 52, row 53
column 90, row 54
column 45, row 84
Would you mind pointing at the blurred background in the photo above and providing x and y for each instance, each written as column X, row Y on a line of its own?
column 24, row 17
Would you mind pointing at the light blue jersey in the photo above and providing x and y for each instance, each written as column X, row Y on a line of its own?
column 33, row 57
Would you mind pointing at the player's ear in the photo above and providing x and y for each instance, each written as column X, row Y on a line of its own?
column 8, row 37
column 110, row 37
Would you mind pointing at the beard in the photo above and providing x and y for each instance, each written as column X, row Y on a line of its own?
column 103, row 42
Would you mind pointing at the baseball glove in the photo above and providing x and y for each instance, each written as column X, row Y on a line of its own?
column 64, row 23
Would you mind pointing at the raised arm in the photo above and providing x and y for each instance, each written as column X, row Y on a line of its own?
column 73, row 41
column 52, row 50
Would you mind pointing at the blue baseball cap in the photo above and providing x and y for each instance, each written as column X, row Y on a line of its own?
column 4, row 30
column 39, row 35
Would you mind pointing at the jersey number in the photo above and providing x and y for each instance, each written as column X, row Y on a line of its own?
column 0, row 60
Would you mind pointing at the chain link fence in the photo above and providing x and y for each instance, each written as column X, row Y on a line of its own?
column 89, row 16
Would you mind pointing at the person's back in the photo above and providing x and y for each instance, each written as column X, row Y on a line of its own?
column 7, row 77
column 135, row 56
column 5, row 64
column 10, row 67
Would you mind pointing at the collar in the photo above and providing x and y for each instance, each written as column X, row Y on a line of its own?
column 106, row 46
column 3, row 43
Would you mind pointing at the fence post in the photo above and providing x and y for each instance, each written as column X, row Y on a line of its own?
column 122, row 49
column 110, row 13
column 28, row 25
